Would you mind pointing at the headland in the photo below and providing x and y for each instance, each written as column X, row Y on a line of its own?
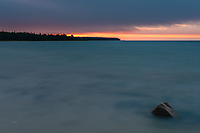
column 26, row 36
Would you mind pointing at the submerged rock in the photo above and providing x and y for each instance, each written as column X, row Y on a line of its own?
column 164, row 109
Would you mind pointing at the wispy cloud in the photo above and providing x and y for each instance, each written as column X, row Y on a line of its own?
column 182, row 25
column 151, row 28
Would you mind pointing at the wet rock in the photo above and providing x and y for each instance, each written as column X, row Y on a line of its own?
column 164, row 109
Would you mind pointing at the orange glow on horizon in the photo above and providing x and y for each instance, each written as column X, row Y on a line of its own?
column 132, row 36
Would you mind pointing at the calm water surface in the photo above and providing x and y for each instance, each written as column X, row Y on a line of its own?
column 98, row 87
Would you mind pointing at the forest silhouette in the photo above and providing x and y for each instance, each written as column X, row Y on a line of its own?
column 26, row 36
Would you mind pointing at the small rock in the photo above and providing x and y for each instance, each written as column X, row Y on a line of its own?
column 164, row 109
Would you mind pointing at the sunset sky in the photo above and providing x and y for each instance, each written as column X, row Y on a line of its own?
column 125, row 19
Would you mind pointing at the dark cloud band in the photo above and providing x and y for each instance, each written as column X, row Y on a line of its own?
column 90, row 15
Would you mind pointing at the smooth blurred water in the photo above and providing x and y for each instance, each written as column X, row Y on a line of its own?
column 98, row 87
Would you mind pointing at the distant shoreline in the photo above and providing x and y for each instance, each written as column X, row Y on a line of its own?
column 160, row 41
column 26, row 36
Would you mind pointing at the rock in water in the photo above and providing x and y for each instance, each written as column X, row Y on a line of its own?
column 164, row 109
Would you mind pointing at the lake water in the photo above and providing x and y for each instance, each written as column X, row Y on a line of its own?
column 98, row 87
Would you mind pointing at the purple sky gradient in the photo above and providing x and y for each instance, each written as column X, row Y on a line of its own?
column 69, row 16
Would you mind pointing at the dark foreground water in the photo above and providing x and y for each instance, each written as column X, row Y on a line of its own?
column 98, row 87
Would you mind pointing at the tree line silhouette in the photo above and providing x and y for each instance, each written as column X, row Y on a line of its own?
column 26, row 36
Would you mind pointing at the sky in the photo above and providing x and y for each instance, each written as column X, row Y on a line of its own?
column 125, row 19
